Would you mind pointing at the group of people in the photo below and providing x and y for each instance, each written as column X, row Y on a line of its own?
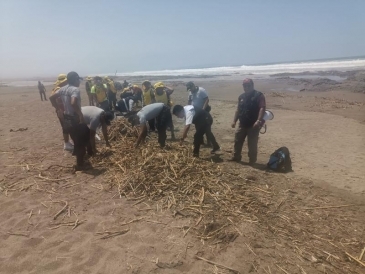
column 250, row 112
column 81, row 123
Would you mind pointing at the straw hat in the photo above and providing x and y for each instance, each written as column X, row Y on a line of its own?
column 159, row 85
column 61, row 79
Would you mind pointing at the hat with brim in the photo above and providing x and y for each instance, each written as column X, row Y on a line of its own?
column 61, row 79
column 159, row 85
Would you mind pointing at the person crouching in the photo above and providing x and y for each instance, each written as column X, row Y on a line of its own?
column 158, row 111
column 95, row 118
column 203, row 122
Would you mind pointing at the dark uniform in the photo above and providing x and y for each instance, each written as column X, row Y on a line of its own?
column 249, row 105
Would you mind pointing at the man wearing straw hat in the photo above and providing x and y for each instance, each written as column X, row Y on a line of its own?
column 61, row 82
column 99, row 92
column 163, row 95
column 250, row 113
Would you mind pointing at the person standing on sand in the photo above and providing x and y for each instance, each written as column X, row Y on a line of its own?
column 250, row 112
column 74, row 121
column 203, row 122
column 198, row 97
column 112, row 92
column 148, row 97
column 61, row 82
column 163, row 95
column 95, row 117
column 99, row 93
column 158, row 111
column 88, row 86
column 42, row 91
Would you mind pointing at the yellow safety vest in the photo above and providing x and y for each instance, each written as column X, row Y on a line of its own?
column 147, row 96
column 162, row 98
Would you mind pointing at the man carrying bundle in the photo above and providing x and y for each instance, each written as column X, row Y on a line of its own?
column 99, row 93
column 203, row 122
column 158, row 111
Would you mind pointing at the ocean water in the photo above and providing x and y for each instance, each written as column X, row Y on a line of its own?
column 262, row 70
column 237, row 72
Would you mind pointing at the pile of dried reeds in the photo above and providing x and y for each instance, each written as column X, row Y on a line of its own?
column 176, row 181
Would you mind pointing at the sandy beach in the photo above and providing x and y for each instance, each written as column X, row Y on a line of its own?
column 323, row 125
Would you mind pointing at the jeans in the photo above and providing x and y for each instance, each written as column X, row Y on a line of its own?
column 204, row 126
column 252, row 135
column 151, row 124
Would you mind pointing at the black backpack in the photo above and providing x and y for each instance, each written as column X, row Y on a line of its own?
column 280, row 160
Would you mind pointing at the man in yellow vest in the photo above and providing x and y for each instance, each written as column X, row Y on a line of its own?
column 148, row 97
column 112, row 92
column 61, row 82
column 163, row 95
column 88, row 86
column 99, row 92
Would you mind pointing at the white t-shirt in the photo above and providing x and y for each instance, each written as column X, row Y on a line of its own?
column 149, row 112
column 189, row 114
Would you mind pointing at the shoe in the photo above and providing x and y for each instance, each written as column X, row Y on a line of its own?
column 68, row 146
column 196, row 155
column 235, row 159
column 251, row 162
column 215, row 150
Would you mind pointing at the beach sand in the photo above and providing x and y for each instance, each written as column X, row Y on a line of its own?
column 324, row 131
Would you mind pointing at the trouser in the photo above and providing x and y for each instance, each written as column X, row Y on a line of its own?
column 104, row 105
column 204, row 126
column 163, row 120
column 43, row 94
column 252, row 135
column 64, row 130
column 112, row 97
column 91, row 98
column 208, row 108
column 151, row 124
column 80, row 135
